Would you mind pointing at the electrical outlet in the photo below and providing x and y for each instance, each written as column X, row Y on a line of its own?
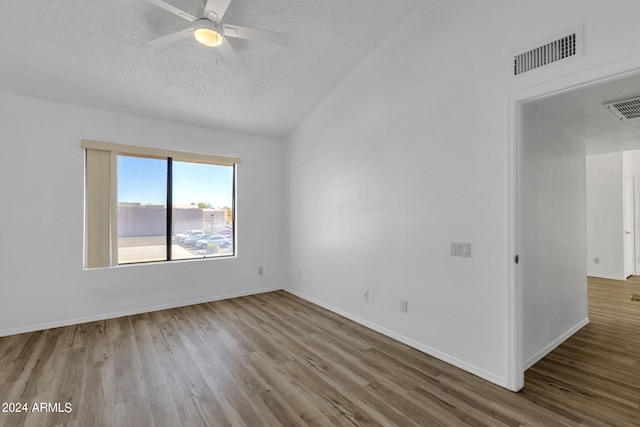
column 366, row 295
column 403, row 305
column 596, row 260
column 260, row 271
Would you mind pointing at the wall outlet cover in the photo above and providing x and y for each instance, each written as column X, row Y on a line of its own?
column 462, row 249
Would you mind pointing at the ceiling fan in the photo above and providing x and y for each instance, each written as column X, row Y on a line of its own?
column 209, row 30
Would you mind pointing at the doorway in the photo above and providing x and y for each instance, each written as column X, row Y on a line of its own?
column 544, row 330
column 629, row 235
column 610, row 214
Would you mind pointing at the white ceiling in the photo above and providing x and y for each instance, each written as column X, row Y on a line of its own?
column 95, row 53
column 582, row 112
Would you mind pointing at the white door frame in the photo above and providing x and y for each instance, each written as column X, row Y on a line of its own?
column 515, row 304
column 636, row 223
column 628, row 210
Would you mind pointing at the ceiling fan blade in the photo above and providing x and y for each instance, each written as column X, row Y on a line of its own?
column 169, row 8
column 255, row 34
column 215, row 9
column 229, row 55
column 172, row 37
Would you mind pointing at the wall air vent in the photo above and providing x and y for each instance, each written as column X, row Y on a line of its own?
column 625, row 109
column 561, row 47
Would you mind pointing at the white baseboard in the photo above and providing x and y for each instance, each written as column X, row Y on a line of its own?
column 604, row 276
column 502, row 382
column 555, row 343
column 106, row 316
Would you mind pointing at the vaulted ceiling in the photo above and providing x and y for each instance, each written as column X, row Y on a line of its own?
column 95, row 53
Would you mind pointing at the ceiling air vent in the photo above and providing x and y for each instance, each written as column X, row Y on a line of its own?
column 547, row 52
column 625, row 109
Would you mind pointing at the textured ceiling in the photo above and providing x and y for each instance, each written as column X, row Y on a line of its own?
column 95, row 53
column 582, row 112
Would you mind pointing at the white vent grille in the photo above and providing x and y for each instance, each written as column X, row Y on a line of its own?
column 625, row 109
column 564, row 46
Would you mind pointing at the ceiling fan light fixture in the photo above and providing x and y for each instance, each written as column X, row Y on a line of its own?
column 207, row 34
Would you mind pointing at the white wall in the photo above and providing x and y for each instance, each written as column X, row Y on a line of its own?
column 553, row 235
column 420, row 129
column 627, row 163
column 42, row 282
column 605, row 216
column 635, row 162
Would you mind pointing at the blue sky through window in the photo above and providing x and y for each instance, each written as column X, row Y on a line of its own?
column 143, row 180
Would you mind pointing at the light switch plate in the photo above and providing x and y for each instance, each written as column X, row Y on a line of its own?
column 461, row 249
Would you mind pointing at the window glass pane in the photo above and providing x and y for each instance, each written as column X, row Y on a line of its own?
column 142, row 213
column 202, row 210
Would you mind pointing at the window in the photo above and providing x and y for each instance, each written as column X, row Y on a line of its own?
column 142, row 209
column 145, row 205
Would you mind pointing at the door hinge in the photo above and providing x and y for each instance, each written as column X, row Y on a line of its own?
column 516, row 259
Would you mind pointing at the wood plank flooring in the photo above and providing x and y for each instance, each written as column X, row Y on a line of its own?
column 274, row 359
column 596, row 373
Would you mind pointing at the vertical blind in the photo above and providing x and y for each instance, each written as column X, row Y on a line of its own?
column 100, row 221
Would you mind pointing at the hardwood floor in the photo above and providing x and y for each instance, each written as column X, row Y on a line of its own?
column 274, row 359
column 596, row 373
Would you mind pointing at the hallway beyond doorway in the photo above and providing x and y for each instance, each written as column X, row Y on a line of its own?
column 594, row 374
